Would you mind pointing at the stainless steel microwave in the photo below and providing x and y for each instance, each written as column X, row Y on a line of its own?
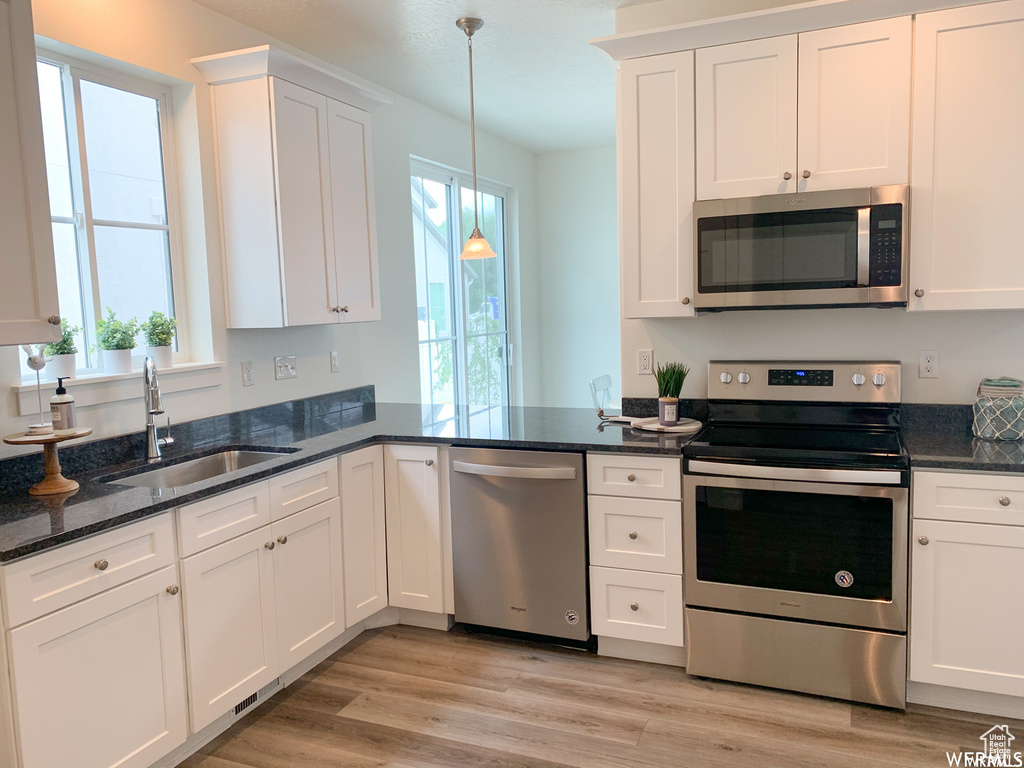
column 835, row 248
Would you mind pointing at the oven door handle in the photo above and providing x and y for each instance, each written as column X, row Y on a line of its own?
column 850, row 476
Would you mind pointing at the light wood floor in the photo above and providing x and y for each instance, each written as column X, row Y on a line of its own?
column 403, row 696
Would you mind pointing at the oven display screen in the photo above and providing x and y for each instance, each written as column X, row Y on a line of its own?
column 799, row 378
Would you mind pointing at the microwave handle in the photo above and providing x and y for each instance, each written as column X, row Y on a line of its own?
column 863, row 246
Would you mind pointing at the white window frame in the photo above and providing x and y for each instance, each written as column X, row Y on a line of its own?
column 73, row 71
column 460, row 180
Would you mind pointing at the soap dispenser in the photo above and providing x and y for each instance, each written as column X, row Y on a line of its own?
column 62, row 407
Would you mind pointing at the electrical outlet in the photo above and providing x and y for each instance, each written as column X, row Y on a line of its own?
column 928, row 364
column 284, row 367
column 335, row 365
column 645, row 361
column 247, row 377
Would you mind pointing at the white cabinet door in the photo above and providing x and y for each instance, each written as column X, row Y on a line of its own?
column 854, row 115
column 657, row 185
column 230, row 624
column 102, row 682
column 413, row 513
column 746, row 118
column 308, row 579
column 354, row 220
column 967, row 610
column 637, row 605
column 968, row 174
column 299, row 120
column 363, row 533
column 28, row 291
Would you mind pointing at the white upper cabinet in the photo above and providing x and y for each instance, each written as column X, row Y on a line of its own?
column 656, row 178
column 28, row 291
column 296, row 191
column 853, row 121
column 968, row 176
column 746, row 118
column 839, row 119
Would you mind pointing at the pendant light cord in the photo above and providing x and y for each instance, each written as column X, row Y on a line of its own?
column 472, row 131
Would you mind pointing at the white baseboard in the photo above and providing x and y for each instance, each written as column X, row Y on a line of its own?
column 996, row 704
column 655, row 653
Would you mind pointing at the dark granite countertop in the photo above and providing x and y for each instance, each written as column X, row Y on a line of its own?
column 316, row 429
column 939, row 437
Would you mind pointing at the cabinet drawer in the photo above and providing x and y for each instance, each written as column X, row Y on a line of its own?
column 303, row 488
column 657, row 597
column 59, row 577
column 643, row 477
column 219, row 518
column 969, row 498
column 642, row 534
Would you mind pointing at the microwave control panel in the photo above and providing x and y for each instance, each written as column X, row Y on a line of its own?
column 886, row 250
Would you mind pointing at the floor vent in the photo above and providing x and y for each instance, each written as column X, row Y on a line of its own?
column 263, row 693
column 246, row 703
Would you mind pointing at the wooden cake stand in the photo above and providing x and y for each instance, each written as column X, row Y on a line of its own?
column 54, row 481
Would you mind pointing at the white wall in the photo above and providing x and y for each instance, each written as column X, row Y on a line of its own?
column 161, row 36
column 578, row 270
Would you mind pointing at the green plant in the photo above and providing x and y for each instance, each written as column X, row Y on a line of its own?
column 159, row 329
column 112, row 333
column 670, row 379
column 66, row 345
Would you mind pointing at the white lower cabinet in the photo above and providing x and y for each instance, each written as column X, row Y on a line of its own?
column 413, row 513
column 230, row 624
column 363, row 533
column 967, row 608
column 101, row 683
column 637, row 605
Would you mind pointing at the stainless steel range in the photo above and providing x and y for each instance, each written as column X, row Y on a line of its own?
column 795, row 530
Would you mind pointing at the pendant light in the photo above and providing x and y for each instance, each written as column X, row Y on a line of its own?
column 477, row 246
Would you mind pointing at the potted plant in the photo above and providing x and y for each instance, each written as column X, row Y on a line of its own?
column 670, row 383
column 64, row 352
column 116, row 339
column 159, row 333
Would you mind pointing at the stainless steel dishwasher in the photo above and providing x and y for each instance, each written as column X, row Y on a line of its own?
column 519, row 541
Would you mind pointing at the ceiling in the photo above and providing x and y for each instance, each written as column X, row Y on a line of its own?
column 538, row 83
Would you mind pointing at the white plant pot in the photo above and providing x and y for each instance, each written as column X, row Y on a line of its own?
column 161, row 356
column 117, row 361
column 61, row 366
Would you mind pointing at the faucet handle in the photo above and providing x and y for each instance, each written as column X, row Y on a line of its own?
column 165, row 441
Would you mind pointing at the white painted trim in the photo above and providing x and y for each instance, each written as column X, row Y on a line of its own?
column 636, row 650
column 996, row 704
column 90, row 391
column 413, row 618
column 787, row 20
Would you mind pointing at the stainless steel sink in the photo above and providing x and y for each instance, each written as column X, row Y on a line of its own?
column 188, row 472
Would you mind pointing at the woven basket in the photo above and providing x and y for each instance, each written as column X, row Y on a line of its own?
column 999, row 418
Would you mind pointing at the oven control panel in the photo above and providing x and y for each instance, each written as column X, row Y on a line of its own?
column 820, row 381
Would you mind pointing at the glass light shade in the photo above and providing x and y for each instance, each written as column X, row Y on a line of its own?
column 477, row 247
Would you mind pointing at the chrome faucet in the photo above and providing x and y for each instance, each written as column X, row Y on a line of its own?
column 154, row 407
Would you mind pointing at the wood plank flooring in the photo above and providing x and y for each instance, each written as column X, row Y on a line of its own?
column 406, row 697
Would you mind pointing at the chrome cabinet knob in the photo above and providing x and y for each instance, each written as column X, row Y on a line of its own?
column 282, row 540
column 806, row 174
column 53, row 319
column 743, row 378
column 633, row 535
column 923, row 540
column 343, row 309
column 101, row 565
column 859, row 379
column 634, row 606
column 269, row 545
column 919, row 293
column 172, row 590
column 686, row 299
column 631, row 478
column 1005, row 501
column 878, row 379
column 725, row 377
column 787, row 175
column 429, row 462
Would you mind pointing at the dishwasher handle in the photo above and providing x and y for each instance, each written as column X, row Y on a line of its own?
column 523, row 473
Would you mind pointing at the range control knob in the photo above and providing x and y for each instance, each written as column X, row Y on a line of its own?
column 878, row 379
column 859, row 379
column 725, row 377
column 743, row 378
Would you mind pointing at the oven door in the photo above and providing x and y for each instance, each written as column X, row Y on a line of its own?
column 812, row 551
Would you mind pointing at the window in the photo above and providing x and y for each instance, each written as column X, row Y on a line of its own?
column 462, row 319
column 106, row 140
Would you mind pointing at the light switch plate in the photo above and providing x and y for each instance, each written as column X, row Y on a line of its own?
column 284, row 367
column 247, row 377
